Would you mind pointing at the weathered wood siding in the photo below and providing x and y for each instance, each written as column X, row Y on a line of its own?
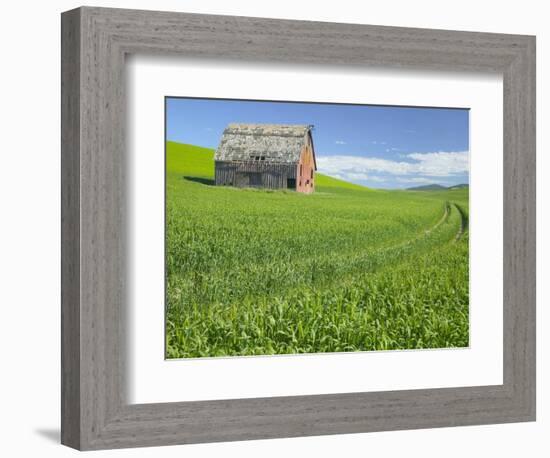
column 254, row 174
column 260, row 173
column 305, row 169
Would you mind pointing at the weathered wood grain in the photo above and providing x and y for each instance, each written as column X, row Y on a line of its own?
column 95, row 412
column 273, row 175
column 70, row 229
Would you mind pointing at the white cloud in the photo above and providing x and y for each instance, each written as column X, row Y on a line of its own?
column 441, row 163
column 354, row 176
column 340, row 142
column 378, row 179
column 437, row 164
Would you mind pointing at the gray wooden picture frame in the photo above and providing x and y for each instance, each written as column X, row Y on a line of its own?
column 95, row 413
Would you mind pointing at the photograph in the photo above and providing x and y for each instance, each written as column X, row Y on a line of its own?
column 304, row 227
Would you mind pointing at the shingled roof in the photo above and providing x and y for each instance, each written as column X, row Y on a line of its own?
column 272, row 142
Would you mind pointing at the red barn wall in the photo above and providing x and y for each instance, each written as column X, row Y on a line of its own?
column 305, row 172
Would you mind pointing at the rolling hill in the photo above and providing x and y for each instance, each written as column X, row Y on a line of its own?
column 437, row 187
column 347, row 268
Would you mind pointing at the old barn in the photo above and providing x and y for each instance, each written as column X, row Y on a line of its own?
column 275, row 156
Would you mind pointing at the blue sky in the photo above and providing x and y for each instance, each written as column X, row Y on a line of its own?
column 377, row 146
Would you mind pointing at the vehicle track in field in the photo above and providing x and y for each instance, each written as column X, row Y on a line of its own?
column 446, row 214
column 405, row 243
column 401, row 250
column 463, row 222
column 373, row 260
column 427, row 232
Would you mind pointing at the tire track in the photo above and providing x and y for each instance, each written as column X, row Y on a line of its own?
column 463, row 222
column 446, row 214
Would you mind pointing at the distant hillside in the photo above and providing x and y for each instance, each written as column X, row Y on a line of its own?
column 427, row 187
column 460, row 186
column 437, row 187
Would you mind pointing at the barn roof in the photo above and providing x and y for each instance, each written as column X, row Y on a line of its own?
column 271, row 142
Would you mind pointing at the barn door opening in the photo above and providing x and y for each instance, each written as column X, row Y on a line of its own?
column 255, row 179
column 291, row 183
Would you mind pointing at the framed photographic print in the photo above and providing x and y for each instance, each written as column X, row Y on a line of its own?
column 286, row 228
column 291, row 238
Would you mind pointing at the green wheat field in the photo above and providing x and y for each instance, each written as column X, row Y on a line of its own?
column 347, row 268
